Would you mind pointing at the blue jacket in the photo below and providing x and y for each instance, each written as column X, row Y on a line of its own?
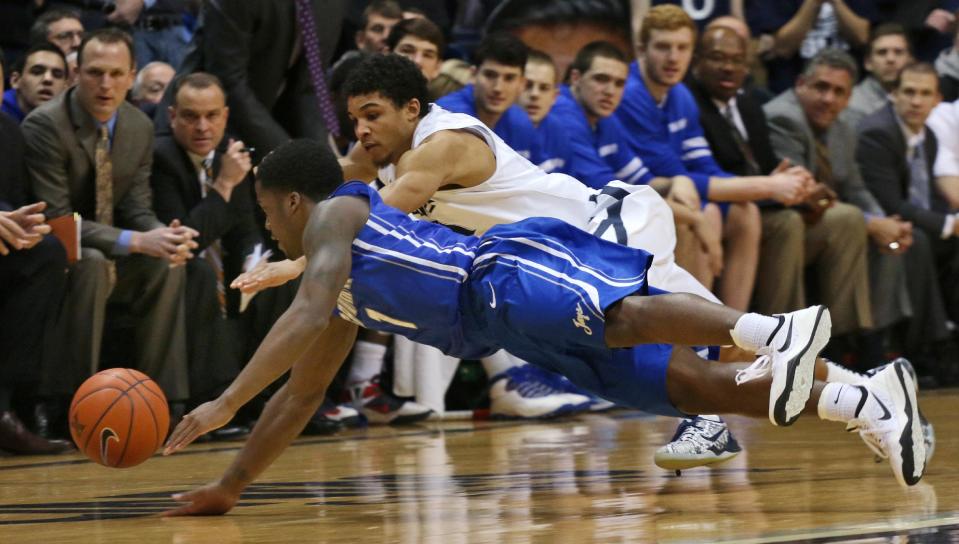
column 11, row 107
column 514, row 127
column 668, row 138
column 596, row 156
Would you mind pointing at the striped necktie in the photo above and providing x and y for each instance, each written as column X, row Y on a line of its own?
column 213, row 254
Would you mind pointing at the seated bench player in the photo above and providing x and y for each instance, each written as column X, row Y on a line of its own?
column 539, row 288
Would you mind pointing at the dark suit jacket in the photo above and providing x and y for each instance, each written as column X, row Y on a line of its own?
column 177, row 196
column 61, row 141
column 881, row 155
column 248, row 44
column 721, row 142
column 13, row 174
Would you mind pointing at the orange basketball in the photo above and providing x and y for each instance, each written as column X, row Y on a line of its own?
column 119, row 417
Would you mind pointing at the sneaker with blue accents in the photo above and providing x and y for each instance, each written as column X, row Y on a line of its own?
column 527, row 392
column 699, row 441
column 563, row 384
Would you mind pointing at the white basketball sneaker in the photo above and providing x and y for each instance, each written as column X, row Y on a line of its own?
column 699, row 441
column 888, row 421
column 790, row 354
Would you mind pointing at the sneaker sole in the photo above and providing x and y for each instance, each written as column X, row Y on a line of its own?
column 669, row 461
column 795, row 385
column 912, row 444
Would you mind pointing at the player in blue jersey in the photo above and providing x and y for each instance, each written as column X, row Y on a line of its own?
column 541, row 288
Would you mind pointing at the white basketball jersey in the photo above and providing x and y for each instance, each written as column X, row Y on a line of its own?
column 632, row 215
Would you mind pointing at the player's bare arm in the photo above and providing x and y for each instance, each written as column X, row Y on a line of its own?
column 447, row 159
column 358, row 165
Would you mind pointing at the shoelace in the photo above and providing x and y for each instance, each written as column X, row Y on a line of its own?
column 760, row 367
column 872, row 436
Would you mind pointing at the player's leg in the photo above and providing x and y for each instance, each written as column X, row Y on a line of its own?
column 884, row 410
column 788, row 344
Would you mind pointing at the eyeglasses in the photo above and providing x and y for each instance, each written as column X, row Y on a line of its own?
column 69, row 35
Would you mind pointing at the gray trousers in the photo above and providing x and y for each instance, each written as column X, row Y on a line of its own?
column 834, row 249
column 154, row 294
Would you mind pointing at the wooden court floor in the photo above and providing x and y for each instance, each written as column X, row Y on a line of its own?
column 585, row 479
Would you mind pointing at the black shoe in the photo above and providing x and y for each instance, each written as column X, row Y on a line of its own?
column 15, row 438
column 230, row 432
column 50, row 419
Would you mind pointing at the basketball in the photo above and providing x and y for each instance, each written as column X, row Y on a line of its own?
column 119, row 417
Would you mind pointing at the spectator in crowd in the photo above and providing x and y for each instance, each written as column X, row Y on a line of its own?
column 150, row 84
column 929, row 24
column 806, row 128
column 792, row 31
column 819, row 234
column 661, row 122
column 41, row 75
column 421, row 41
column 498, row 66
column 896, row 153
column 537, row 99
column 159, row 34
column 61, row 27
column 378, row 20
column 887, row 52
column 944, row 121
column 202, row 181
column 31, row 290
column 947, row 65
column 254, row 48
column 101, row 170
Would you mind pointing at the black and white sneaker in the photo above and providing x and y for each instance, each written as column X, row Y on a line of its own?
column 699, row 441
column 790, row 354
column 887, row 419
column 928, row 431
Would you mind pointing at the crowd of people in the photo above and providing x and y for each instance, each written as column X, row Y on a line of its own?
column 787, row 153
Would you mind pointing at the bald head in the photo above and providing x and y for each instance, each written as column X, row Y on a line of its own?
column 721, row 62
column 735, row 24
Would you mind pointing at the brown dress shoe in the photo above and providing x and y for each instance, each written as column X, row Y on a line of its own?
column 16, row 438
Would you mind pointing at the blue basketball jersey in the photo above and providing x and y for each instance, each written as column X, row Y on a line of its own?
column 538, row 288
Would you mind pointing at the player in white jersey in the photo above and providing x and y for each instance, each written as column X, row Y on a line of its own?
column 451, row 169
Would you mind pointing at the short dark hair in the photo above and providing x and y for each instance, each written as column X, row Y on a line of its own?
column 305, row 166
column 392, row 76
column 41, row 26
column 501, row 47
column 47, row 47
column 832, row 57
column 510, row 15
column 108, row 35
column 888, row 29
column 386, row 8
column 601, row 48
column 196, row 80
column 421, row 28
column 917, row 68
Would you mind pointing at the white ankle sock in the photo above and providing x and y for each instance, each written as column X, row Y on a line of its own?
column 752, row 331
column 499, row 362
column 367, row 361
column 841, row 374
column 838, row 401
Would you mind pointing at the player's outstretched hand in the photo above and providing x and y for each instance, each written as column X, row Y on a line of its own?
column 265, row 275
column 209, row 500
column 205, row 418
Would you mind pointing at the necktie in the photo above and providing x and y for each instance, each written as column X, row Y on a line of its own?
column 104, row 187
column 918, row 177
column 823, row 167
column 314, row 62
column 752, row 168
column 213, row 253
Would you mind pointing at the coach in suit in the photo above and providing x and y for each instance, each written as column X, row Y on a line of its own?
column 833, row 241
column 89, row 151
column 255, row 48
column 207, row 188
column 896, row 154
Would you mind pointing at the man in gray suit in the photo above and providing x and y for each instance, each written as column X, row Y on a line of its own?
column 88, row 151
column 805, row 128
